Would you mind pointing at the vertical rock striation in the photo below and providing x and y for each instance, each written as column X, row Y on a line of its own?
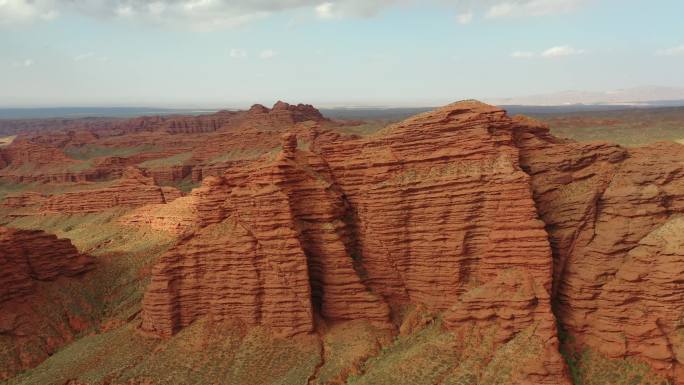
column 433, row 211
column 27, row 259
column 279, row 237
column 611, row 214
column 28, row 256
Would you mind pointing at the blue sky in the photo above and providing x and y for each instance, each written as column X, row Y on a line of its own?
column 212, row 53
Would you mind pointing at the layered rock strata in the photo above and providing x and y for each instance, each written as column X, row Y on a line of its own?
column 133, row 189
column 433, row 211
column 611, row 214
column 279, row 241
column 29, row 256
column 28, row 260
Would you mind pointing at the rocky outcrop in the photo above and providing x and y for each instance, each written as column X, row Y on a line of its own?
column 435, row 211
column 605, row 207
column 27, row 257
column 638, row 311
column 184, row 215
column 170, row 174
column 282, row 115
column 463, row 212
column 279, row 241
column 444, row 217
column 133, row 189
column 25, row 152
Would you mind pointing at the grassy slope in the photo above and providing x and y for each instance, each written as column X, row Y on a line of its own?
column 201, row 354
column 174, row 160
column 111, row 294
column 7, row 188
column 89, row 152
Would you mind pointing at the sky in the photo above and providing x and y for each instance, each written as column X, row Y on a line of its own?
column 232, row 53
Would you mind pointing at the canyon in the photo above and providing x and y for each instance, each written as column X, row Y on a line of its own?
column 275, row 245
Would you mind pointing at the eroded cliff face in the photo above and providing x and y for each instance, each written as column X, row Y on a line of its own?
column 169, row 148
column 612, row 216
column 462, row 221
column 27, row 259
column 31, row 256
column 434, row 211
column 275, row 241
column 133, row 189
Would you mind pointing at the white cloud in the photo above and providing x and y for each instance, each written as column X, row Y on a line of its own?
column 84, row 56
column 500, row 10
column 123, row 11
column 354, row 8
column 16, row 10
column 522, row 54
column 212, row 14
column 562, row 50
column 553, row 52
column 49, row 15
column 157, row 7
column 90, row 57
column 237, row 53
column 673, row 51
column 267, row 54
column 23, row 63
column 325, row 10
column 522, row 8
column 465, row 18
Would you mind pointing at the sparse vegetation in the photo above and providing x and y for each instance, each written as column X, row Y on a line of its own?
column 203, row 353
column 110, row 293
column 8, row 188
column 185, row 185
column 174, row 160
column 589, row 367
column 92, row 151
column 421, row 358
column 241, row 154
column 634, row 127
column 366, row 128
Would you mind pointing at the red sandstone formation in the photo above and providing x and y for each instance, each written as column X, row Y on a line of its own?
column 28, row 258
column 282, row 115
column 183, row 215
column 444, row 217
column 462, row 211
column 134, row 189
column 38, row 156
column 436, row 211
column 610, row 214
column 22, row 152
column 280, row 239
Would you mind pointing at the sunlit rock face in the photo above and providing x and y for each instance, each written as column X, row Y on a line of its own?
column 433, row 211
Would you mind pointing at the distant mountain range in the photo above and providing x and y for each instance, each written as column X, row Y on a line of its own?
column 646, row 96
